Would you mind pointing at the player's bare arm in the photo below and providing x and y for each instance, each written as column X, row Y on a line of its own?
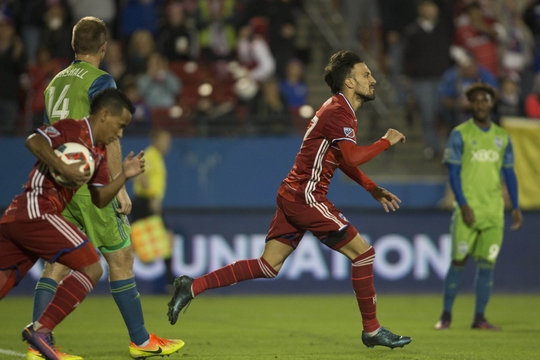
column 388, row 200
column 394, row 136
column 517, row 219
column 131, row 167
column 41, row 148
column 114, row 162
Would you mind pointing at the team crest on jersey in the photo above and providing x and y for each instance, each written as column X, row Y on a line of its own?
column 349, row 132
column 498, row 142
column 51, row 131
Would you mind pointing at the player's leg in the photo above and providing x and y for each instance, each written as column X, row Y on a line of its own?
column 54, row 273
column 111, row 231
column 362, row 255
column 14, row 262
column 486, row 252
column 463, row 240
column 276, row 250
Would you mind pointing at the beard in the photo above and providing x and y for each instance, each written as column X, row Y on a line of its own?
column 364, row 97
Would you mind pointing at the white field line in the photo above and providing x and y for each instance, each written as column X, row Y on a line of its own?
column 12, row 353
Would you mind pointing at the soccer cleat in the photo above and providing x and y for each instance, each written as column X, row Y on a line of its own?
column 41, row 341
column 181, row 298
column 33, row 354
column 442, row 325
column 385, row 338
column 483, row 324
column 444, row 321
column 156, row 347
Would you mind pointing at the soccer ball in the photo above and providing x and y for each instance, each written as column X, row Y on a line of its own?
column 70, row 153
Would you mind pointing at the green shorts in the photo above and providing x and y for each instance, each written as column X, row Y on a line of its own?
column 482, row 241
column 107, row 229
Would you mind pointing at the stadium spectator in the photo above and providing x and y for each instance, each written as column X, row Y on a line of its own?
column 33, row 226
column 273, row 116
column 114, row 62
column 159, row 87
column 138, row 15
column 426, row 57
column 510, row 102
column 57, row 31
column 12, row 66
column 278, row 28
column 31, row 22
column 453, row 103
column 177, row 40
column 141, row 122
column 107, row 228
column 217, row 34
column 293, row 87
column 532, row 101
column 479, row 35
column 141, row 46
column 329, row 143
column 517, row 46
column 476, row 153
column 40, row 74
column 150, row 188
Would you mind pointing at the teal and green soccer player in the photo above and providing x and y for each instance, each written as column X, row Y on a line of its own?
column 476, row 154
column 68, row 96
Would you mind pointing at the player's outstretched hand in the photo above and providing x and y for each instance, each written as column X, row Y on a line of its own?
column 133, row 165
column 394, row 136
column 517, row 219
column 72, row 173
column 388, row 200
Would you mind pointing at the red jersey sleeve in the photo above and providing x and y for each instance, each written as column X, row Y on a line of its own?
column 341, row 126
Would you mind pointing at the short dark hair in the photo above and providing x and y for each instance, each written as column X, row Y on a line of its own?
column 481, row 87
column 113, row 99
column 339, row 67
column 89, row 34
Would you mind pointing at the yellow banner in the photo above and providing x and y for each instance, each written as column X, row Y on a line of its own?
column 525, row 135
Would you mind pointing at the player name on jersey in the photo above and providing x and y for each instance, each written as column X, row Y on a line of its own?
column 73, row 72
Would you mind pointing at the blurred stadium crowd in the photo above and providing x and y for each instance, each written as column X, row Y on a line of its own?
column 237, row 67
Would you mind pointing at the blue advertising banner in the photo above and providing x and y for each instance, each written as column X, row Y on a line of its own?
column 413, row 254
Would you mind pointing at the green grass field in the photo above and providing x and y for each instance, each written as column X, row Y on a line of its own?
column 290, row 327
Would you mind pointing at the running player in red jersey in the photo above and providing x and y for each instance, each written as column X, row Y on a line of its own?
column 33, row 226
column 329, row 144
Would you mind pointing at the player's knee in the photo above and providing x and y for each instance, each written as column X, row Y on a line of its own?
column 485, row 264
column 94, row 271
column 55, row 271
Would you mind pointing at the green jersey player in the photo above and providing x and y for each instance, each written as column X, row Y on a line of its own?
column 68, row 96
column 476, row 154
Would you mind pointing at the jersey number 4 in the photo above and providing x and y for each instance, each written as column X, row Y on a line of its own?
column 60, row 110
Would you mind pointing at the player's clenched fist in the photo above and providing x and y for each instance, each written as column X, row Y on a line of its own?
column 394, row 136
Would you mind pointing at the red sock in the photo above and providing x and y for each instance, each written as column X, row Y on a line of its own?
column 70, row 293
column 233, row 273
column 362, row 282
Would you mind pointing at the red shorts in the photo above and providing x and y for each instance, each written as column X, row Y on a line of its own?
column 50, row 237
column 322, row 219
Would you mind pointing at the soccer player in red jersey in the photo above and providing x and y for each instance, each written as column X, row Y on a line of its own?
column 329, row 144
column 33, row 226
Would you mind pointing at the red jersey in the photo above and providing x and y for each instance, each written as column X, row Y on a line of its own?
column 319, row 154
column 41, row 193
